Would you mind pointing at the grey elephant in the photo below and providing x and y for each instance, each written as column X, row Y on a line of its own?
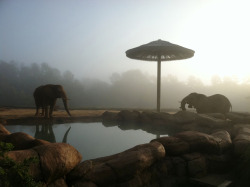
column 207, row 104
column 45, row 97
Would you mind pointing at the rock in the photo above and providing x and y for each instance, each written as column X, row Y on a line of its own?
column 3, row 130
column 244, row 130
column 84, row 184
column 58, row 183
column 196, row 165
column 21, row 155
column 80, row 170
column 21, row 141
column 242, row 141
column 217, row 115
column 146, row 117
column 237, row 127
column 142, row 179
column 173, row 146
column 211, row 122
column 219, row 163
column 57, row 159
column 157, row 122
column 223, row 139
column 236, row 117
column 109, row 116
column 184, row 117
column 101, row 174
column 199, row 142
column 120, row 167
column 128, row 116
column 135, row 160
column 180, row 166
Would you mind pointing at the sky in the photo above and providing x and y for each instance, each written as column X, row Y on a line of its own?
column 90, row 37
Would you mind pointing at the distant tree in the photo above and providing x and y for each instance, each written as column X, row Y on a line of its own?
column 131, row 89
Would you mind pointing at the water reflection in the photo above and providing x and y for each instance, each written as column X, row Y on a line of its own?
column 95, row 139
column 46, row 133
column 156, row 129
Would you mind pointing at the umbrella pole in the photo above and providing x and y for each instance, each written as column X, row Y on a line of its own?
column 159, row 85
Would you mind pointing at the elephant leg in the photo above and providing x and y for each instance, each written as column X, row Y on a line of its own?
column 52, row 106
column 43, row 111
column 46, row 108
column 37, row 111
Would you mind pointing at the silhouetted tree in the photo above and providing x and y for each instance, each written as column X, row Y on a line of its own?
column 131, row 89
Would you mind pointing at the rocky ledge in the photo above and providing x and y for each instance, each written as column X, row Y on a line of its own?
column 200, row 149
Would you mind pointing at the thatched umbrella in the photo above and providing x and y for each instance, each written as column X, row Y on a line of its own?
column 159, row 50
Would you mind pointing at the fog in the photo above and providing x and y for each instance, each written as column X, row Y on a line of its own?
column 90, row 38
column 132, row 89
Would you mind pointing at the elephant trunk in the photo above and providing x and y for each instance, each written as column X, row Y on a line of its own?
column 66, row 106
column 183, row 103
column 66, row 135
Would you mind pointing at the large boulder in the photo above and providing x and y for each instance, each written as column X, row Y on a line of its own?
column 219, row 163
column 217, row 115
column 215, row 143
column 3, row 130
column 196, row 164
column 179, row 166
column 185, row 117
column 173, row 146
column 237, row 127
column 117, row 168
column 20, row 155
column 237, row 117
column 146, row 117
column 57, row 159
column 224, row 141
column 128, row 116
column 109, row 117
column 242, row 141
column 199, row 142
column 21, row 141
column 212, row 122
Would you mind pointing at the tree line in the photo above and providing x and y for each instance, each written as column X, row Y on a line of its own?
column 131, row 89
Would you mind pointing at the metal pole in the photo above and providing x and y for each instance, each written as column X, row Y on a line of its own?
column 159, row 85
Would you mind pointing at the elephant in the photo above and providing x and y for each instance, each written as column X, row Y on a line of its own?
column 207, row 104
column 45, row 97
column 46, row 133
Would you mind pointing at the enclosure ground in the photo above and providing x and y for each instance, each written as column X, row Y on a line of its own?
column 26, row 116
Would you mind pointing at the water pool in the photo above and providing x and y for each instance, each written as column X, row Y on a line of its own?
column 92, row 140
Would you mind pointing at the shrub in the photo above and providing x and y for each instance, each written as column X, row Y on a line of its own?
column 15, row 174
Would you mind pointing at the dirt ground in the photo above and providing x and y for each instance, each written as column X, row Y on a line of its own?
column 19, row 113
column 26, row 116
column 10, row 115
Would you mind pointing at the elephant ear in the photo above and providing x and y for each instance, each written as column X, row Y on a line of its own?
column 58, row 90
column 200, row 97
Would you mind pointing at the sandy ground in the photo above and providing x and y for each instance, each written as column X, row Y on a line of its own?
column 10, row 115
column 17, row 114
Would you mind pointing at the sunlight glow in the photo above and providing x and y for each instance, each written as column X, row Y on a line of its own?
column 220, row 38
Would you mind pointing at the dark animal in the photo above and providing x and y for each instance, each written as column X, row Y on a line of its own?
column 212, row 104
column 45, row 97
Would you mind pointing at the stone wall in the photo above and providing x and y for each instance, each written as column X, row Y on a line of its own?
column 200, row 145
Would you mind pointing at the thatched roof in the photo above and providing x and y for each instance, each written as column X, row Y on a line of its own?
column 164, row 50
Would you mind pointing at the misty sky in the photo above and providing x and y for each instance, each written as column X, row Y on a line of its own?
column 90, row 37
